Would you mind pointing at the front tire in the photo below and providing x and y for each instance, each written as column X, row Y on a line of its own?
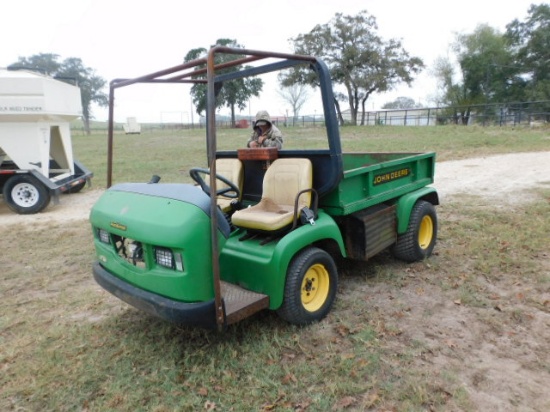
column 25, row 194
column 418, row 242
column 310, row 290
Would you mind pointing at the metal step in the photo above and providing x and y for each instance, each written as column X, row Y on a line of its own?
column 241, row 303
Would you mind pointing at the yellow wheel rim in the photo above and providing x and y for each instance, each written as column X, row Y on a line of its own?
column 315, row 287
column 425, row 232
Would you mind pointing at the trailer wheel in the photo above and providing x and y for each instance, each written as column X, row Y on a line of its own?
column 310, row 290
column 25, row 194
column 76, row 188
column 418, row 242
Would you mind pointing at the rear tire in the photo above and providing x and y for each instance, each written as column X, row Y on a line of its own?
column 25, row 194
column 418, row 242
column 310, row 290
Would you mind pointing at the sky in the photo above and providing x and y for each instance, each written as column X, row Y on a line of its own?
column 129, row 38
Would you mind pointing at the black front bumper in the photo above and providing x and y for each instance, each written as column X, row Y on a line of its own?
column 201, row 314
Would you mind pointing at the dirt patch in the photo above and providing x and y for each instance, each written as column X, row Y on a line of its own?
column 497, row 354
column 506, row 178
column 70, row 207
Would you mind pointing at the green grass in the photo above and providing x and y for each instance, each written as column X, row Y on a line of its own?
column 170, row 154
column 66, row 345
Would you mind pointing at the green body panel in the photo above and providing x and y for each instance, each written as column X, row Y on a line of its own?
column 373, row 178
column 406, row 202
column 369, row 179
column 157, row 221
column 262, row 268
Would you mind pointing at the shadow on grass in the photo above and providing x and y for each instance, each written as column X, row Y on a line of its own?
column 135, row 324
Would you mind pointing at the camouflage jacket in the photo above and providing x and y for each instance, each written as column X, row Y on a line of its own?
column 274, row 137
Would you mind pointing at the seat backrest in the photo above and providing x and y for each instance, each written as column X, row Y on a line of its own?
column 283, row 181
column 231, row 169
column 285, row 178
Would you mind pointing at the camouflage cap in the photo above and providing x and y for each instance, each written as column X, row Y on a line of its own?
column 262, row 118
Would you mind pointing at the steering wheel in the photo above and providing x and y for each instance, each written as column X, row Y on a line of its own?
column 232, row 191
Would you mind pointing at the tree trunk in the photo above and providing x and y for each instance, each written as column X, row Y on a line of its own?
column 86, row 122
column 468, row 114
column 233, row 116
column 455, row 118
column 363, row 103
column 464, row 116
column 339, row 112
column 353, row 108
column 353, row 103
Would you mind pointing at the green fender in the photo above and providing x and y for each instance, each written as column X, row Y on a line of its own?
column 325, row 228
column 406, row 202
column 262, row 267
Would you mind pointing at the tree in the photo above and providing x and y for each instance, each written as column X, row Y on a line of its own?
column 530, row 41
column 357, row 58
column 234, row 92
column 296, row 95
column 451, row 93
column 444, row 72
column 486, row 73
column 45, row 63
column 402, row 103
column 71, row 70
column 498, row 68
column 489, row 71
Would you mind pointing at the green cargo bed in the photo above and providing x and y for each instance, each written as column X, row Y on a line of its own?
column 373, row 178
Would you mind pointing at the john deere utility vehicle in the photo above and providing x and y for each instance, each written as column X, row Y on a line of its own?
column 261, row 228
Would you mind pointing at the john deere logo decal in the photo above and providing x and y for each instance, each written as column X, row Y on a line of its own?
column 391, row 176
column 118, row 226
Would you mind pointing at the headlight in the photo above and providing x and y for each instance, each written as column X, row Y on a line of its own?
column 104, row 236
column 166, row 258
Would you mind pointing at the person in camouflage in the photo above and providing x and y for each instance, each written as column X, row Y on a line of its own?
column 265, row 133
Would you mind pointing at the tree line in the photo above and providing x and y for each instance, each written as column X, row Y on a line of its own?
column 493, row 67
column 490, row 67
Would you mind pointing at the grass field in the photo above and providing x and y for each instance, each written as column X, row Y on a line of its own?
column 466, row 330
column 171, row 153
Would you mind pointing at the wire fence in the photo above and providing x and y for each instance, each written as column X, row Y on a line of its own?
column 509, row 114
column 535, row 113
column 241, row 122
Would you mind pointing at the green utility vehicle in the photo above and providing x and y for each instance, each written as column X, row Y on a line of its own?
column 262, row 227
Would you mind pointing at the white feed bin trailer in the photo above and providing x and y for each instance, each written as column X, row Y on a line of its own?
column 36, row 154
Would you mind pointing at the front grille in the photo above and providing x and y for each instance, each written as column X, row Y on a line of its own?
column 130, row 250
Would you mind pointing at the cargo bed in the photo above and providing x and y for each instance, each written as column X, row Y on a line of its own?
column 373, row 178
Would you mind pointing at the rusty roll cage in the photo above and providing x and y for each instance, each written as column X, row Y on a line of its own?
column 188, row 72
